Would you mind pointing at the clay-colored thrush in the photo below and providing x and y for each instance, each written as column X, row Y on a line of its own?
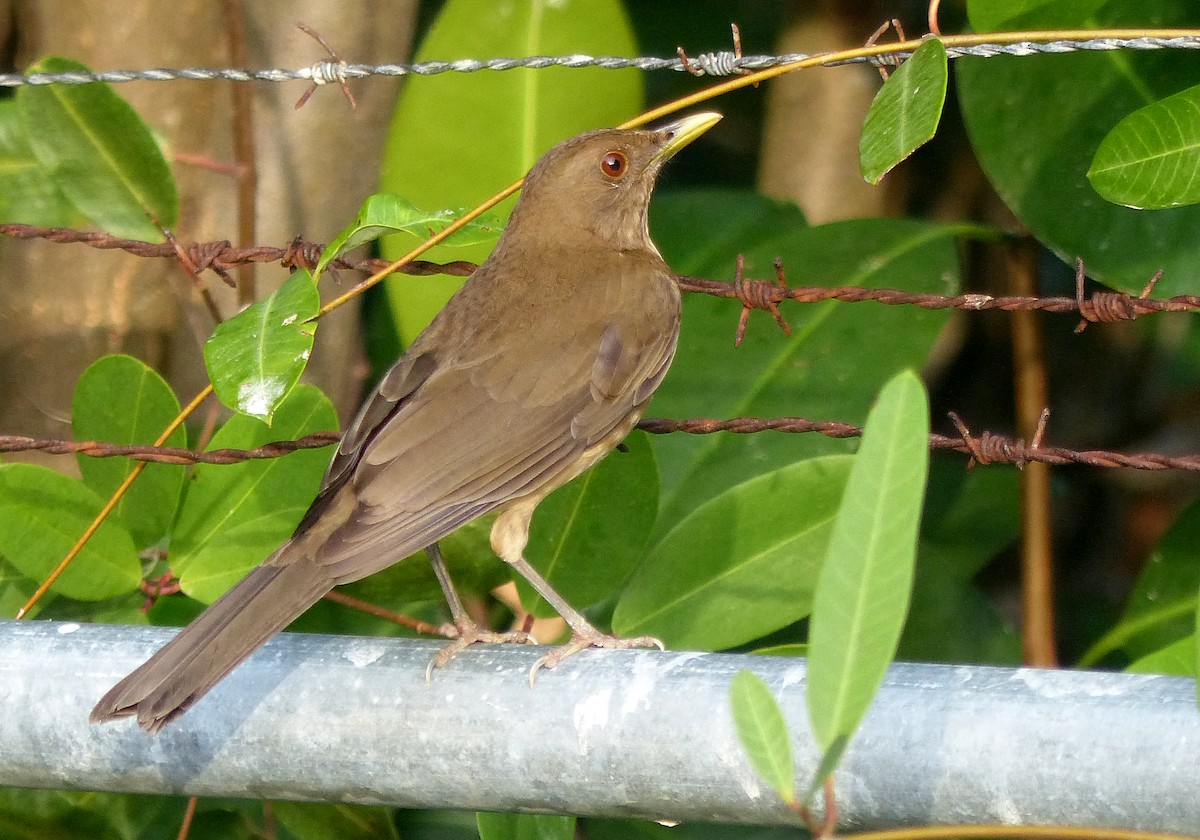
column 535, row 370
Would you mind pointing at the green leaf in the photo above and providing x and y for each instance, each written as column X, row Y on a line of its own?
column 790, row 649
column 763, row 733
column 997, row 15
column 27, row 192
column 502, row 121
column 862, row 594
column 224, row 558
column 42, row 514
column 504, row 826
column 1162, row 606
column 16, row 589
column 120, row 400
column 820, row 371
column 1177, row 659
column 385, row 213
column 99, row 153
column 587, row 537
column 904, row 114
column 1035, row 123
column 1151, row 159
column 740, row 566
column 256, row 357
column 320, row 821
column 234, row 515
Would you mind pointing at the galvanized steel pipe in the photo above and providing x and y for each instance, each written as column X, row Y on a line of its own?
column 614, row 733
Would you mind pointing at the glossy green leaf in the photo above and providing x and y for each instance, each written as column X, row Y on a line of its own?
column 763, row 733
column 1162, row 606
column 905, row 113
column 505, row 826
column 27, row 192
column 42, row 514
column 234, row 515
column 256, row 357
column 862, row 594
column 99, row 153
column 820, row 372
column 118, row 399
column 740, row 566
column 385, row 213
column 224, row 558
column 340, row 821
column 998, row 15
column 1035, row 123
column 502, row 121
column 1151, row 159
column 1177, row 659
column 587, row 537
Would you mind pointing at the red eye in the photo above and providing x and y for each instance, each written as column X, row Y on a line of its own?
column 614, row 164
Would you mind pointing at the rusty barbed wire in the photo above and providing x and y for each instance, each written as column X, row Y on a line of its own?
column 985, row 448
column 1102, row 306
column 165, row 454
column 221, row 256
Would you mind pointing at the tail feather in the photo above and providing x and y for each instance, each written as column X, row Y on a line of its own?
column 233, row 627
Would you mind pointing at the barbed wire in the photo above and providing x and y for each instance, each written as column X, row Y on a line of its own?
column 986, row 448
column 1101, row 306
column 719, row 63
column 220, row 256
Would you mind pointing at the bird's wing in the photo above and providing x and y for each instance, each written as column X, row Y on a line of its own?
column 506, row 418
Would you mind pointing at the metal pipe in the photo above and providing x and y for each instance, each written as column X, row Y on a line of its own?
column 614, row 733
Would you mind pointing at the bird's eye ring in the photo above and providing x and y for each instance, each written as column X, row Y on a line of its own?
column 614, row 164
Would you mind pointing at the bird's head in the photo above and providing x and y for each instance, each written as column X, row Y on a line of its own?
column 598, row 184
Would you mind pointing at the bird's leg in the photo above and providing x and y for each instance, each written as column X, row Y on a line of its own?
column 467, row 630
column 509, row 537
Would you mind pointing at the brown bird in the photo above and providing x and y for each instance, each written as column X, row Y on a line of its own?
column 536, row 369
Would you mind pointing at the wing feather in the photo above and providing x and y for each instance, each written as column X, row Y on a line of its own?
column 513, row 414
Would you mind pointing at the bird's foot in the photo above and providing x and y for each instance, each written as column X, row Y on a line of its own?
column 467, row 633
column 593, row 639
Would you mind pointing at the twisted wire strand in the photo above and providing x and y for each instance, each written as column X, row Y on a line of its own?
column 720, row 63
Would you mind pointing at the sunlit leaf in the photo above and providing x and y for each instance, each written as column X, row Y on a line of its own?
column 905, row 113
column 763, row 733
column 99, row 153
column 256, row 357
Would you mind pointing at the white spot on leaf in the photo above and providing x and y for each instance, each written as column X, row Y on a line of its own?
column 257, row 397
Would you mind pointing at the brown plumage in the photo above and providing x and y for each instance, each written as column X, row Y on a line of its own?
column 537, row 368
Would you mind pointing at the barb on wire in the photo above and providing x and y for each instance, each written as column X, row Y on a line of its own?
column 986, row 448
column 723, row 63
column 338, row 71
column 325, row 72
column 1107, row 307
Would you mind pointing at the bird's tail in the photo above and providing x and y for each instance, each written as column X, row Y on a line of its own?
column 233, row 627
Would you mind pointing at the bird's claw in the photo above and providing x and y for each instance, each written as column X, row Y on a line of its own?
column 583, row 641
column 470, row 633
